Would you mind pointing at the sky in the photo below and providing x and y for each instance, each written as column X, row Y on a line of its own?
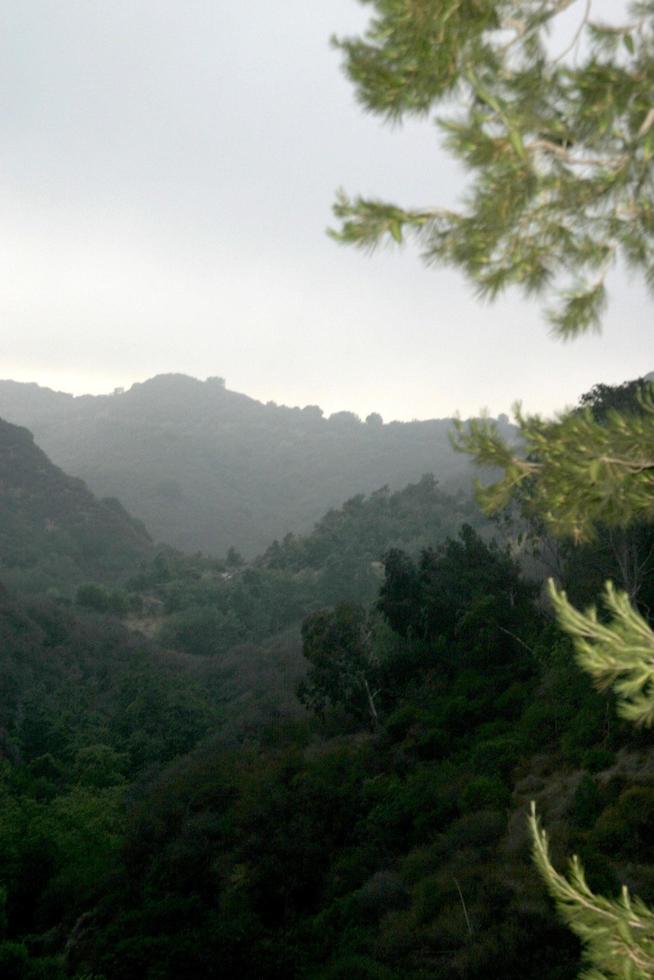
column 167, row 171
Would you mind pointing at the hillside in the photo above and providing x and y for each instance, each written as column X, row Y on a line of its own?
column 206, row 606
column 143, row 834
column 207, row 468
column 53, row 531
column 239, row 795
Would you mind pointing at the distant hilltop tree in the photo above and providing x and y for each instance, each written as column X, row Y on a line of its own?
column 345, row 418
column 374, row 419
column 216, row 380
column 234, row 558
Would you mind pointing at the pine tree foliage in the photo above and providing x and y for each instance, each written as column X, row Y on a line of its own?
column 618, row 653
column 575, row 471
column 618, row 934
column 559, row 146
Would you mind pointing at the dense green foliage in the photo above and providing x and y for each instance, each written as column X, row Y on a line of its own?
column 206, row 468
column 146, row 834
column 85, row 707
column 175, row 810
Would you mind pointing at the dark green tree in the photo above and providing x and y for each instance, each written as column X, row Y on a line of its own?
column 338, row 645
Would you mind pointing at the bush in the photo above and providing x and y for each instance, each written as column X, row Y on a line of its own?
column 626, row 828
column 100, row 600
column 356, row 968
column 497, row 757
column 475, row 830
column 597, row 759
column 485, row 792
column 13, row 961
column 587, row 803
column 585, row 730
column 93, row 597
column 16, row 964
column 382, row 893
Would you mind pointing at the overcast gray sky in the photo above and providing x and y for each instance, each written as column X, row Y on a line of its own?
column 167, row 169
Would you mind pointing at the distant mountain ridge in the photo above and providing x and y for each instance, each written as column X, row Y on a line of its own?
column 54, row 533
column 206, row 468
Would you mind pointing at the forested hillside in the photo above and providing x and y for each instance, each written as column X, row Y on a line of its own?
column 207, row 605
column 319, row 763
column 377, row 832
column 207, row 468
column 53, row 532
column 246, row 617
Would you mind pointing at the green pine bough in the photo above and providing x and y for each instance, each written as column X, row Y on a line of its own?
column 618, row 934
column 574, row 472
column 618, row 653
column 559, row 148
column 558, row 142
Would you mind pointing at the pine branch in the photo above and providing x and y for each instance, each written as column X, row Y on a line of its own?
column 557, row 153
column 618, row 935
column 580, row 472
column 618, row 654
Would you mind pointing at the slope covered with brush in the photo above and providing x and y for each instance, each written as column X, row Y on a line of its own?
column 54, row 533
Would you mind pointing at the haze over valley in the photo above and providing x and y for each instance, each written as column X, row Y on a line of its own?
column 206, row 468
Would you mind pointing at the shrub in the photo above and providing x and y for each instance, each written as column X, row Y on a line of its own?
column 626, row 828
column 485, row 792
